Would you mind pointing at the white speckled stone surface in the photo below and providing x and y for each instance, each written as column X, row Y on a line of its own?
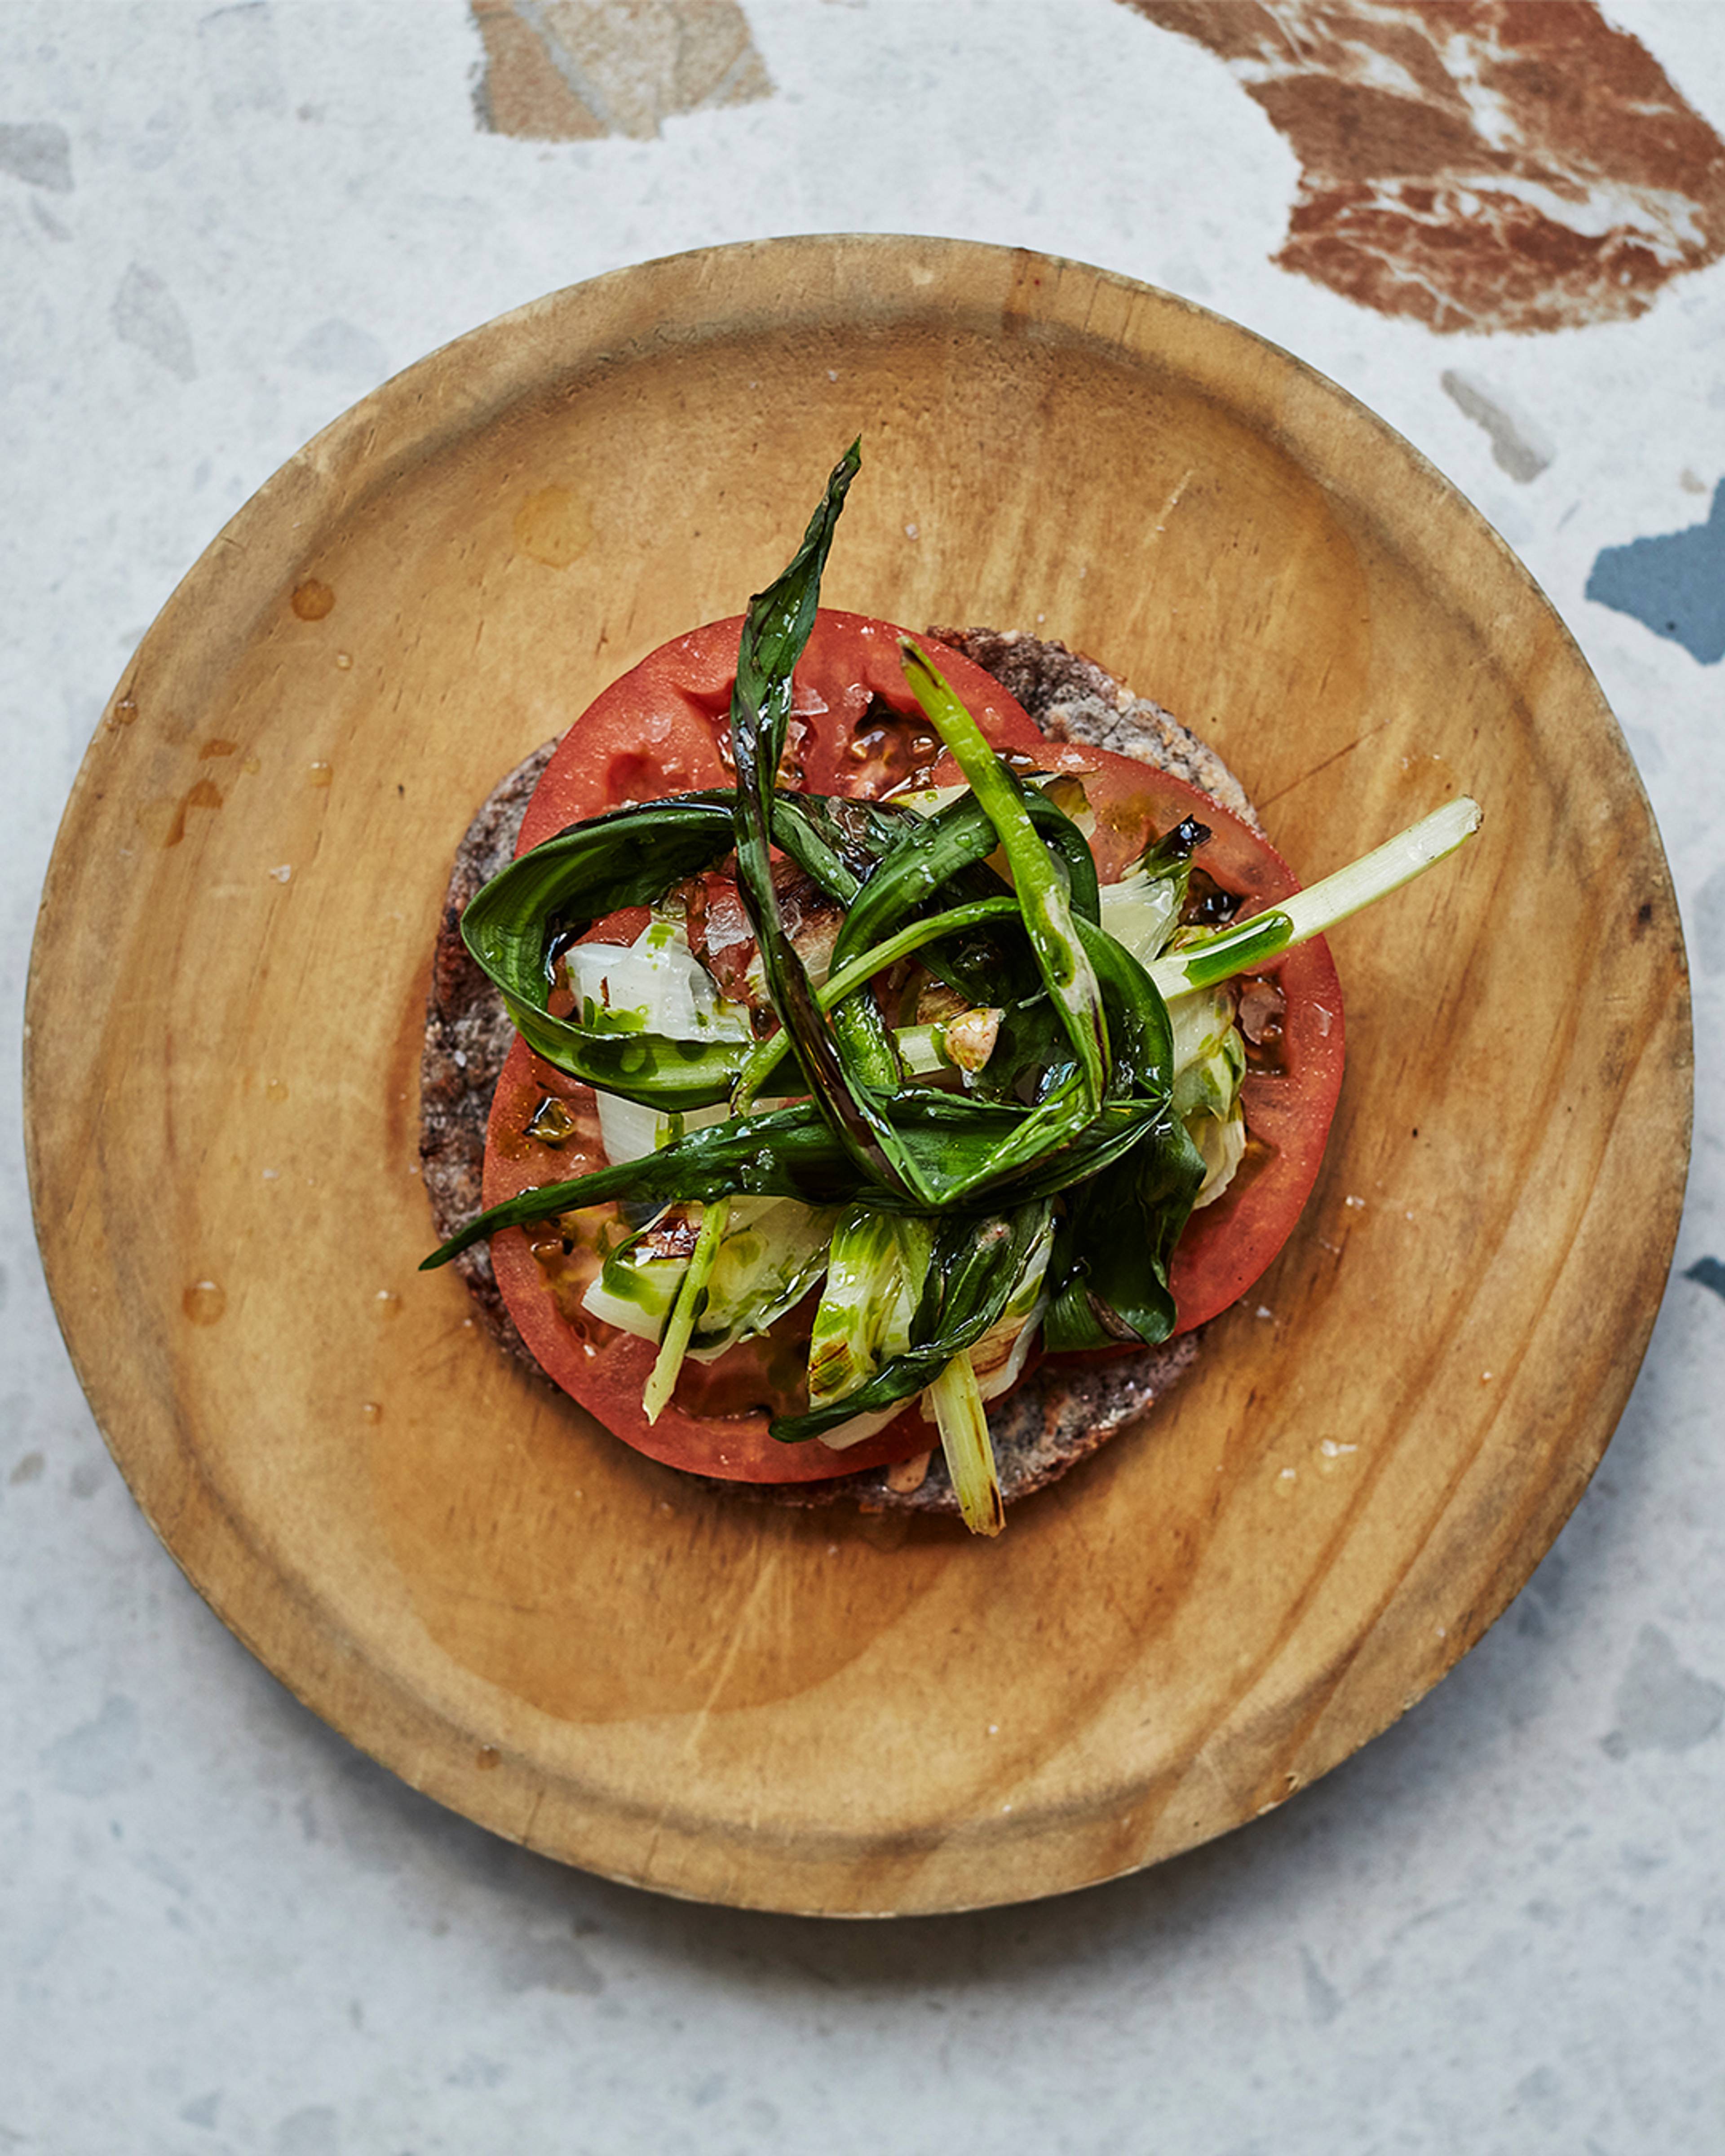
column 1498, row 1929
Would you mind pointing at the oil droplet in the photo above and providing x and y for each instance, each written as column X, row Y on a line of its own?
column 344, row 660
column 203, row 1302
column 312, row 599
column 553, row 526
column 486, row 1757
column 551, row 1124
column 216, row 748
column 321, row 774
column 370, row 1411
column 276, row 1090
column 124, row 710
column 389, row 1304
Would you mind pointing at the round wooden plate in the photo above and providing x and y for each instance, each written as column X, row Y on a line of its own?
column 576, row 1647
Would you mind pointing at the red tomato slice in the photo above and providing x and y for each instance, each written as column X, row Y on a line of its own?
column 665, row 727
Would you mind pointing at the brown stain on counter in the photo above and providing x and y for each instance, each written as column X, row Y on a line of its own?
column 1477, row 164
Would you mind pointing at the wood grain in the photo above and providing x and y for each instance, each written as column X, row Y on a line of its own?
column 574, row 1646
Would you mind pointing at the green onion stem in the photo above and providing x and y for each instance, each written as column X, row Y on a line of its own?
column 918, row 1045
column 715, row 1217
column 850, row 978
column 691, row 1294
column 1317, row 908
column 1041, row 889
column 957, row 1403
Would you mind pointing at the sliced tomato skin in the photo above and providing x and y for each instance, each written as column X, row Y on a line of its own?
column 658, row 730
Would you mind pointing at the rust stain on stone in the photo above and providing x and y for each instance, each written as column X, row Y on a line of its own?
column 1478, row 164
column 568, row 70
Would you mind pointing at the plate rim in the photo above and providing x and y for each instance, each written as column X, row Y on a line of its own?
column 408, row 1749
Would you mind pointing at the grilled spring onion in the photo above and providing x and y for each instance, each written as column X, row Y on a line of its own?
column 1092, row 1042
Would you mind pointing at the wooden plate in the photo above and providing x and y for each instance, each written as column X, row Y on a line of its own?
column 571, row 1645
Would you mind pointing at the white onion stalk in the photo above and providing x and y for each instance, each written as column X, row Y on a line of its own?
column 1313, row 911
column 964, row 1439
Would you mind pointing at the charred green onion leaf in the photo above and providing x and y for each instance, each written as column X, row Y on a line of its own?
column 774, row 632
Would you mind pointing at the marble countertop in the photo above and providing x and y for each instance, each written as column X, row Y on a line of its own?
column 1499, row 1927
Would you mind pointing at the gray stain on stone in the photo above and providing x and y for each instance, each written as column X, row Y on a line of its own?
column 1673, row 583
column 1517, row 446
column 1709, row 1272
column 549, row 1965
column 239, row 61
column 340, row 348
column 1541, row 2094
column 97, row 1757
column 1706, row 947
column 477, row 2072
column 145, row 313
column 160, row 135
column 311, row 2131
column 1661, row 1705
column 1323, row 2002
column 39, row 153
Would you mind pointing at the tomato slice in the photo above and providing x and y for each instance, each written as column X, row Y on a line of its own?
column 665, row 727
column 1288, row 1110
